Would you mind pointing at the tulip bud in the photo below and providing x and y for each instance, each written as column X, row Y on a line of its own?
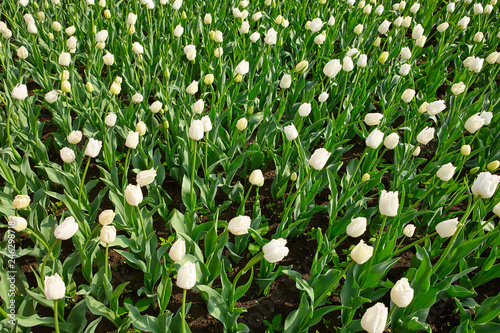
column 301, row 66
column 242, row 124
column 374, row 139
column 362, row 60
column 492, row 58
column 67, row 155
column 21, row 201
column 107, row 14
column 54, row 287
column 319, row 158
column 366, row 177
column 347, row 65
column 405, row 53
column 445, row 173
column 275, row 250
column 485, row 185
column 406, row 21
column 383, row 57
column 108, row 59
column 447, row 228
column 133, row 194
column 409, row 230
column 388, row 203
column 239, row 225
column 332, row 68
column 66, row 86
column 293, row 176
column 66, row 229
column 443, row 27
column 357, row 227
column 132, row 140
column 402, row 293
column 478, row 37
column 131, row 29
column 465, row 150
column 358, row 29
column 256, row 178
column 177, row 250
column 384, row 27
column 22, row 53
column 323, row 97
column 405, row 69
column 115, row 88
column 186, row 276
column 178, row 31
column 361, row 253
column 17, row 223
column 137, row 48
column 463, row 23
column 110, row 119
column 492, row 166
column 209, row 79
column 286, row 81
column 108, row 234
column 376, row 43
column 141, row 128
column 106, row 217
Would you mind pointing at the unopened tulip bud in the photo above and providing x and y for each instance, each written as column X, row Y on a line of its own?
column 293, row 176
column 107, row 14
column 66, row 229
column 409, row 230
column 465, row 150
column 209, row 79
column 256, row 178
column 54, row 287
column 474, row 170
column 242, row 123
column 366, row 177
column 106, row 217
column 383, row 57
column 492, row 166
column 17, row 223
column 146, row 177
column 21, row 201
column 141, row 128
column 447, row 228
column 357, row 227
column 108, row 234
column 361, row 253
column 133, row 194
column 239, row 225
column 358, row 29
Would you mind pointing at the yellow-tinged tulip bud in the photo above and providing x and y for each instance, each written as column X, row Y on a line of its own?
column 365, row 177
column 293, row 177
column 238, row 78
column 383, row 57
column 89, row 87
column 107, row 13
column 492, row 166
column 183, row 15
column 474, row 170
column 66, row 86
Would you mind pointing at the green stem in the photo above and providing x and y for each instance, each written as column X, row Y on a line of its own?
column 3, row 313
column 142, row 223
column 184, row 311
column 292, row 200
column 249, row 265
column 241, row 210
column 207, row 175
column 413, row 244
column 56, row 316
column 455, row 235
column 127, row 162
column 165, row 284
column 429, row 190
column 82, row 181
column 481, row 227
column 193, row 165
column 370, row 262
column 45, row 259
column 106, row 261
column 221, row 235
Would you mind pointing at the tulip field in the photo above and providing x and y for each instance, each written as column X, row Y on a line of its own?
column 249, row 166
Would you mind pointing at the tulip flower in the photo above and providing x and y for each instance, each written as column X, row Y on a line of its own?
column 256, row 178
column 485, row 185
column 409, row 230
column 388, row 203
column 133, row 194
column 375, row 318
column 465, row 150
column 357, row 227
column 190, row 52
column 496, row 209
column 408, row 95
column 17, row 223
column 445, row 173
column 332, row 68
column 132, row 140
column 146, row 177
column 286, row 81
column 425, row 135
column 108, row 234
column 67, row 155
column 447, row 228
column 54, row 287
column 304, row 109
column 372, row 119
column 177, row 250
column 186, row 276
column 110, row 119
column 474, row 123
column 242, row 68
column 319, row 158
column 207, row 124
column 66, row 229
column 20, row 92
column 361, row 253
column 106, row 217
column 93, row 147
column 239, row 225
column 275, row 250
column 291, row 132
column 271, row 37
column 374, row 139
column 391, row 141
column 21, row 201
column 192, row 88
column 402, row 293
column 241, row 124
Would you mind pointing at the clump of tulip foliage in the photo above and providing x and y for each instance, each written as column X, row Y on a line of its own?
column 388, row 109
